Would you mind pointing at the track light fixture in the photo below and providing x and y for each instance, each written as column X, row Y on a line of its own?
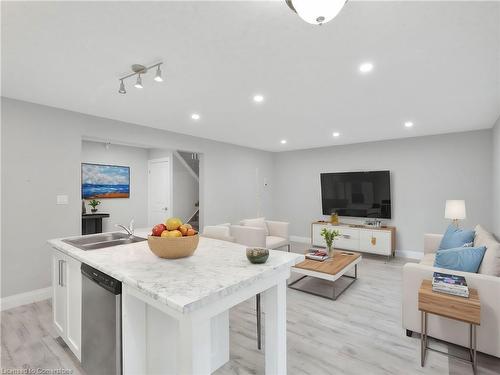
column 139, row 70
column 158, row 77
column 138, row 83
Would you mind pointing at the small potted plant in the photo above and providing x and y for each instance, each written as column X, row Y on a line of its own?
column 94, row 203
column 329, row 235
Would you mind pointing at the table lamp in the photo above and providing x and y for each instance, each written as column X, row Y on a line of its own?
column 455, row 210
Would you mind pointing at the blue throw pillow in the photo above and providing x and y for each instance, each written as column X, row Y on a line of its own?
column 456, row 237
column 467, row 259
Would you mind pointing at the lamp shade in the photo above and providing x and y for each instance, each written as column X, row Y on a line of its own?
column 455, row 210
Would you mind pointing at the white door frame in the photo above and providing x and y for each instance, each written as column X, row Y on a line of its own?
column 170, row 168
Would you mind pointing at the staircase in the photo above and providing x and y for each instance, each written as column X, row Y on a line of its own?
column 191, row 160
column 195, row 221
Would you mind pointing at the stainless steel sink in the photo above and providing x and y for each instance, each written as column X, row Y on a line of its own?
column 101, row 241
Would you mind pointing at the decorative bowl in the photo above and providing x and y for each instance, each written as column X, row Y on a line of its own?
column 257, row 255
column 173, row 247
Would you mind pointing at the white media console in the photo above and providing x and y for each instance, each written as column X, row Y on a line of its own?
column 364, row 238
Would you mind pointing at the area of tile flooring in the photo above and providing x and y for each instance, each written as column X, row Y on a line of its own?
column 360, row 333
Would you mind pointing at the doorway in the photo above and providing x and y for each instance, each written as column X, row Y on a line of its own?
column 159, row 190
column 174, row 187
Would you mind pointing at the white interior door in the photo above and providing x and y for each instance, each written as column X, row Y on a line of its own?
column 160, row 184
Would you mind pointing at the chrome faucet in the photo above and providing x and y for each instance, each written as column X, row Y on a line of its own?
column 129, row 230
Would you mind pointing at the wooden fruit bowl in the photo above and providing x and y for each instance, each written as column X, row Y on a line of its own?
column 173, row 247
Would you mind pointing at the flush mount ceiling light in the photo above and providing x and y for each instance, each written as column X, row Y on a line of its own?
column 139, row 70
column 258, row 98
column 408, row 124
column 366, row 67
column 283, row 141
column 316, row 12
column 336, row 134
column 195, row 116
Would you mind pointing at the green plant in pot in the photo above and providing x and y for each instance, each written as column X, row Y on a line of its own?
column 94, row 203
column 329, row 235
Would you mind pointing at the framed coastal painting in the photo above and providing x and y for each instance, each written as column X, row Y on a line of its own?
column 105, row 181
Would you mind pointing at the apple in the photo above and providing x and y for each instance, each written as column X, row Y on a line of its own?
column 158, row 229
column 164, row 233
column 190, row 232
column 188, row 226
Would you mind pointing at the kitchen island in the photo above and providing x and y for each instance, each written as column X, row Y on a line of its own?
column 175, row 313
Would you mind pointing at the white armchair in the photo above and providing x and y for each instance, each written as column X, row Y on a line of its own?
column 261, row 232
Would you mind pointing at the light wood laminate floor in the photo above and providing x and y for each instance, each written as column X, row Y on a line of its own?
column 360, row 333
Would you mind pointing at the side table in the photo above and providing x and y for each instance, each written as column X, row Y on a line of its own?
column 467, row 310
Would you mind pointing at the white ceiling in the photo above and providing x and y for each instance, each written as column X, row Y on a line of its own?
column 436, row 64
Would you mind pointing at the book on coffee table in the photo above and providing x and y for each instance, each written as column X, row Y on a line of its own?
column 317, row 254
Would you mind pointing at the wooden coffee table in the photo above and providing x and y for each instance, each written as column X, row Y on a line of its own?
column 331, row 269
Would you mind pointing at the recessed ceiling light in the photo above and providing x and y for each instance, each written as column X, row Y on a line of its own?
column 258, row 98
column 408, row 124
column 283, row 141
column 366, row 67
column 336, row 134
column 195, row 116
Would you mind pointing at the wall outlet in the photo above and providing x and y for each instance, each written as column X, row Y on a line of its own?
column 62, row 199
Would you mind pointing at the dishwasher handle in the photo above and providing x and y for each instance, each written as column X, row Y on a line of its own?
column 105, row 281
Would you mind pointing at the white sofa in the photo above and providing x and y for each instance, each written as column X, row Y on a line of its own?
column 488, row 286
column 262, row 233
column 218, row 232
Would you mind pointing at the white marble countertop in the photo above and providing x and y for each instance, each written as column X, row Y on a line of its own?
column 216, row 269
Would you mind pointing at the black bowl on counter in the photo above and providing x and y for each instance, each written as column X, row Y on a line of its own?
column 257, row 255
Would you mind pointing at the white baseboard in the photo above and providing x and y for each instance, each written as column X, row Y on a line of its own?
column 409, row 254
column 300, row 239
column 25, row 298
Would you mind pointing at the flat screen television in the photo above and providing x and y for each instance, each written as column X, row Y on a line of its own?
column 357, row 194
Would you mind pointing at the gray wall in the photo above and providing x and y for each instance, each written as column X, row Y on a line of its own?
column 425, row 171
column 41, row 155
column 496, row 178
column 121, row 210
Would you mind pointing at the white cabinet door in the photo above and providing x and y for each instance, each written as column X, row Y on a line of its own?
column 348, row 240
column 375, row 241
column 59, row 302
column 383, row 241
column 67, row 300
column 73, row 285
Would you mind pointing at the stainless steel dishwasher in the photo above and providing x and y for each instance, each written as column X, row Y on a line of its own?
column 101, row 323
